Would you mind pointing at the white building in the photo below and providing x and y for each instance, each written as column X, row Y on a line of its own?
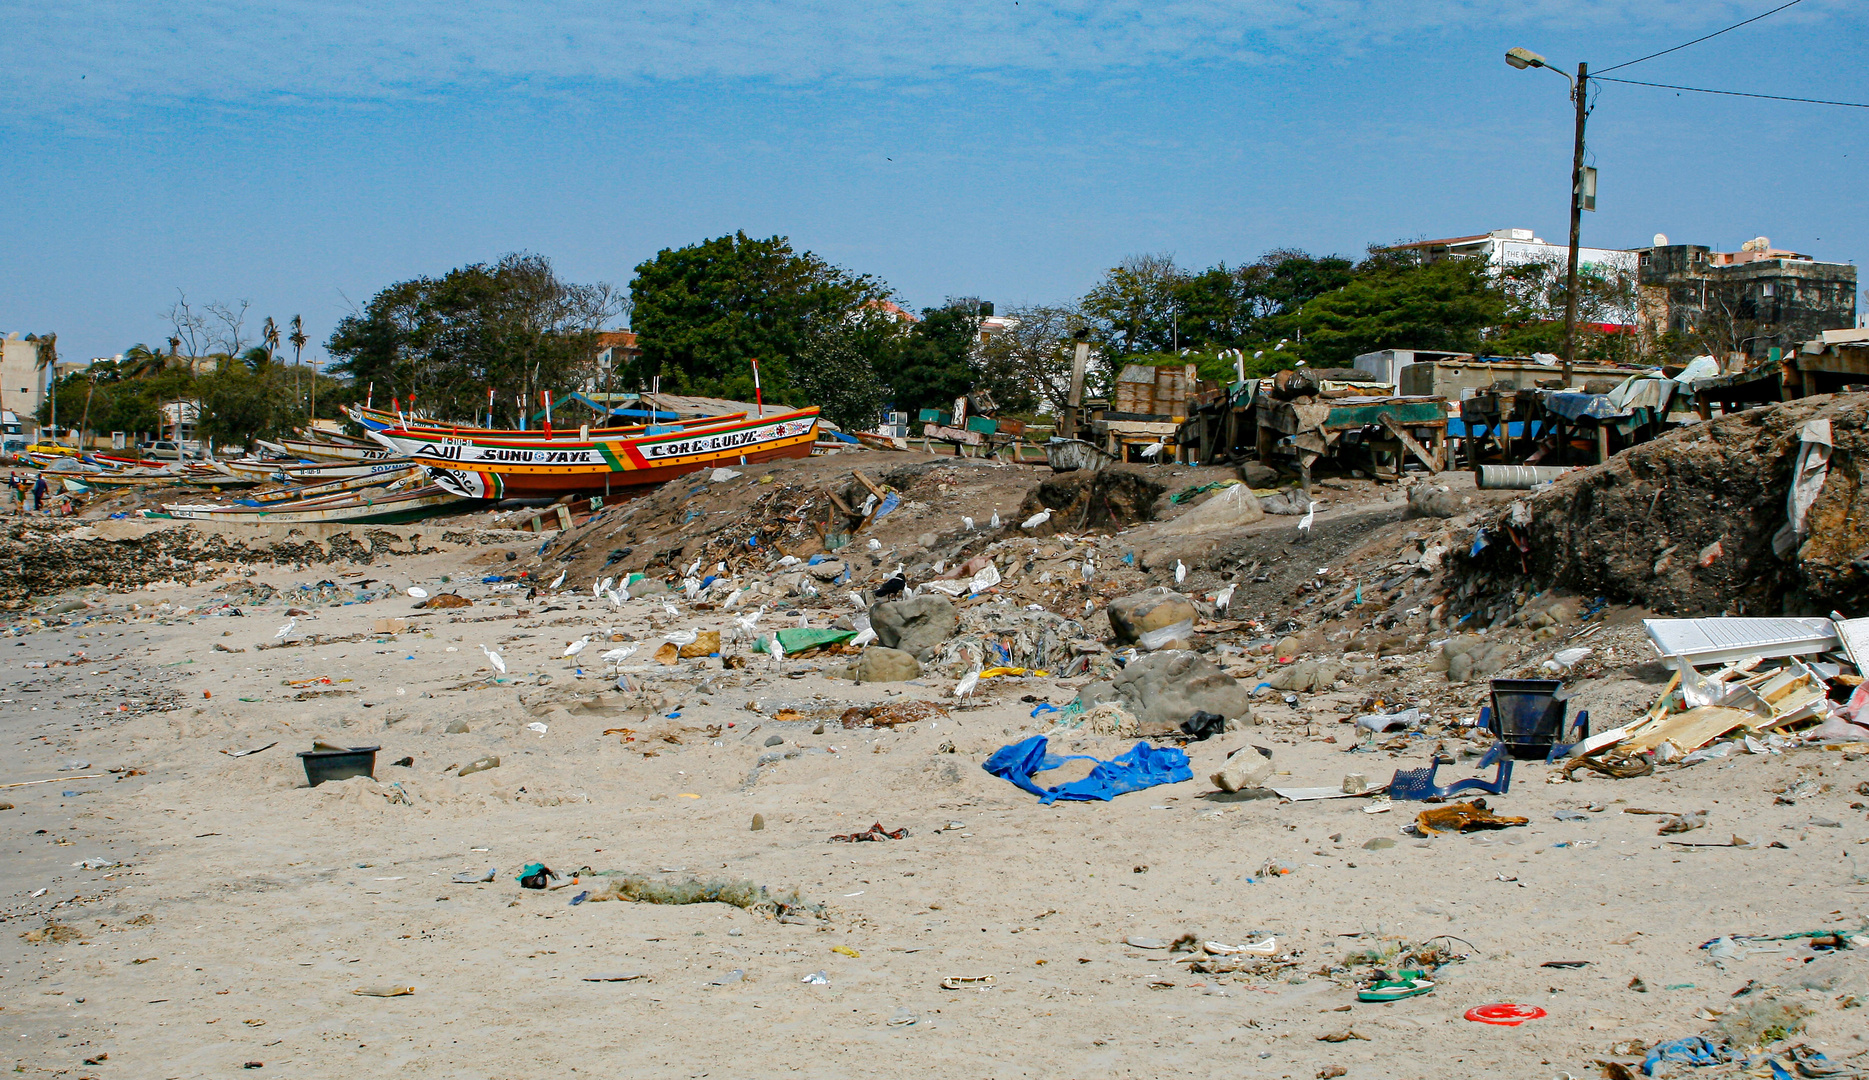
column 1504, row 248
column 23, row 377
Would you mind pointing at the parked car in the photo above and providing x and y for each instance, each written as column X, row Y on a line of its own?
column 167, row 448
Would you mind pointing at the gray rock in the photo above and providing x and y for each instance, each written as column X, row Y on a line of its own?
column 1433, row 500
column 775, row 740
column 917, row 626
column 759, row 822
column 645, row 587
column 881, row 664
column 491, row 761
column 1150, row 609
column 1168, row 687
column 828, row 570
column 1258, row 476
column 456, row 727
column 1380, row 843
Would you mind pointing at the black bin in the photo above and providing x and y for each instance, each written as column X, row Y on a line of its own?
column 322, row 765
column 1527, row 716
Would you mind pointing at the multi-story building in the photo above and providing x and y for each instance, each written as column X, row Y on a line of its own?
column 24, row 359
column 1741, row 304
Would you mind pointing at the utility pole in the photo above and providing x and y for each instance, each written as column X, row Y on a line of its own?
column 1579, row 92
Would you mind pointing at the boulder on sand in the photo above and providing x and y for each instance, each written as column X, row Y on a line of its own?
column 917, row 626
column 881, row 664
column 1151, row 609
column 1165, row 688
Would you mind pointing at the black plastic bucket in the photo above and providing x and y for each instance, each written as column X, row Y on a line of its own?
column 1527, row 716
column 322, row 765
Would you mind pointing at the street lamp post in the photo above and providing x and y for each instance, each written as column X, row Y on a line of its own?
column 1522, row 59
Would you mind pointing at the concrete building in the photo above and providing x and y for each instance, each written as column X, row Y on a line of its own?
column 24, row 360
column 1740, row 304
column 1503, row 249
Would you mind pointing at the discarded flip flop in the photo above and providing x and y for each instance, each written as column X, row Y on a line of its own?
column 967, row 982
column 1410, row 984
column 1505, row 1014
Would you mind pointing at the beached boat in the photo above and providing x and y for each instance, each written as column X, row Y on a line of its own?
column 349, row 508
column 334, row 487
column 328, row 451
column 487, row 469
column 319, row 472
column 406, row 438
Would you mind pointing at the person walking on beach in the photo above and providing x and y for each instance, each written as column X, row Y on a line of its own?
column 39, row 488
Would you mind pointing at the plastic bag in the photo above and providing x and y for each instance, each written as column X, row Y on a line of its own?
column 1156, row 640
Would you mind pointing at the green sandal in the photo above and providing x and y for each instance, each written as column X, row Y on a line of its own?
column 1409, row 984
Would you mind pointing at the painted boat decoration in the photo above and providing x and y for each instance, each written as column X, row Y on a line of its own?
column 518, row 470
column 406, row 439
column 350, row 509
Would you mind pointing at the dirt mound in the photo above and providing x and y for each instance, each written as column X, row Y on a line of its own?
column 1105, row 501
column 1685, row 524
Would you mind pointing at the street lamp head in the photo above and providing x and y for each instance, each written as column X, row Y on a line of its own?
column 1524, row 58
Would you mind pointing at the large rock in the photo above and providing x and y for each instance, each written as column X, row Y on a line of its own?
column 1259, row 476
column 917, row 626
column 880, row 664
column 1151, row 609
column 1166, row 688
column 1244, row 768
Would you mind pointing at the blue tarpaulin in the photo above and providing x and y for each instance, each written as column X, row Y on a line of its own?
column 1574, row 406
column 1142, row 766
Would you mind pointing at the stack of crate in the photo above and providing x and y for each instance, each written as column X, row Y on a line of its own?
column 1147, row 390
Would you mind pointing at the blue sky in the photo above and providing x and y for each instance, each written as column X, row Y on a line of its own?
column 302, row 156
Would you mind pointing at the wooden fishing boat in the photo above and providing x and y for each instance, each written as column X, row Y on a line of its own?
column 540, row 469
column 319, row 472
column 335, row 487
column 404, row 438
column 328, row 451
column 350, row 508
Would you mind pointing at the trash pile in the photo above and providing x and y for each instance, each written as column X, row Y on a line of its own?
column 1753, row 513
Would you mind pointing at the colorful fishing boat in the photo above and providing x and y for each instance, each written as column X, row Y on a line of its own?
column 404, row 437
column 490, row 469
column 328, row 451
column 318, row 472
column 348, row 509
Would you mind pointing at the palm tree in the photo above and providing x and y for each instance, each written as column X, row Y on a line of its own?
column 140, row 361
column 298, row 340
column 269, row 337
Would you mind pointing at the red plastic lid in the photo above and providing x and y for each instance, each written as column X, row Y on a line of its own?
column 1505, row 1014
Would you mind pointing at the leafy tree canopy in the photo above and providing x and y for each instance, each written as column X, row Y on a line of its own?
column 511, row 326
column 704, row 312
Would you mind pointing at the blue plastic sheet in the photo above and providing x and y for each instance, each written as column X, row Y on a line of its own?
column 1142, row 766
column 1692, row 1050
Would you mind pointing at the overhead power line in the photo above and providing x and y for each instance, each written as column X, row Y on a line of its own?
column 1715, row 34
column 1734, row 93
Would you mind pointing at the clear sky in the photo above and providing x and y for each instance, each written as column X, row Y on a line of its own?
column 303, row 155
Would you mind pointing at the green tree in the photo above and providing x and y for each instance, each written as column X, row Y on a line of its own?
column 837, row 372
column 704, row 312
column 1028, row 367
column 934, row 364
column 1133, row 308
column 512, row 326
column 1440, row 305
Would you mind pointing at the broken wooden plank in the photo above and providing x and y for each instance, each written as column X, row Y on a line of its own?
column 868, row 483
column 1408, row 440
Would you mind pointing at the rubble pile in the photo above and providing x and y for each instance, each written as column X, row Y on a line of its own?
column 50, row 556
column 1694, row 522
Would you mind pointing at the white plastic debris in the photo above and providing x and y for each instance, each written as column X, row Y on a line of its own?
column 538, row 727
column 418, row 592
